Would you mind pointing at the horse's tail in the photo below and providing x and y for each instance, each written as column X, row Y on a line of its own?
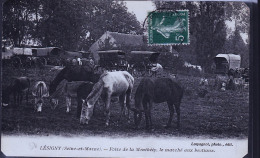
column 129, row 78
column 177, row 90
column 40, row 90
column 95, row 93
column 37, row 91
column 139, row 95
column 29, row 85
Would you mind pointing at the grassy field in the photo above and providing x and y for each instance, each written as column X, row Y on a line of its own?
column 220, row 114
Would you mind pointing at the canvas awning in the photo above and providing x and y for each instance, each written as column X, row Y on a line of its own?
column 232, row 60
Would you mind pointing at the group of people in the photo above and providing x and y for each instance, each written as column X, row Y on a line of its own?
column 82, row 61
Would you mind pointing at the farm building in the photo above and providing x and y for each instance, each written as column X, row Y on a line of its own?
column 115, row 40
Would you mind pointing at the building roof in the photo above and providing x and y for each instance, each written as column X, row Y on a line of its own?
column 117, row 40
column 126, row 39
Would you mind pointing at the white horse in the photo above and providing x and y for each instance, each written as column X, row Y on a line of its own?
column 117, row 83
column 39, row 92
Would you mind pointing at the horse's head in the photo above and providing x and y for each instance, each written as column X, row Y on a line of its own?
column 86, row 112
column 38, row 106
column 137, row 116
column 5, row 98
column 54, row 103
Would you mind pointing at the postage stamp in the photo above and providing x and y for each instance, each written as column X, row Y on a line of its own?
column 168, row 27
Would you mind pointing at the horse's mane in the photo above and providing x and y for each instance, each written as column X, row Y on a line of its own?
column 58, row 78
column 96, row 92
column 139, row 94
column 95, row 77
column 103, row 75
column 129, row 78
column 58, row 91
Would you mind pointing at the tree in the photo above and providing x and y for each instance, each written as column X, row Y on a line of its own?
column 240, row 13
column 17, row 20
column 75, row 25
column 236, row 45
column 210, row 33
column 111, row 16
column 71, row 25
column 207, row 28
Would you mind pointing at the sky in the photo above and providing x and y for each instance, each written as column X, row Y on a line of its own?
column 231, row 26
column 140, row 9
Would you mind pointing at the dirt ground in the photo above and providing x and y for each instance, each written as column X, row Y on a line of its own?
column 221, row 114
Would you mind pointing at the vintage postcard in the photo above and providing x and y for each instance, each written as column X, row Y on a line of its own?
column 88, row 78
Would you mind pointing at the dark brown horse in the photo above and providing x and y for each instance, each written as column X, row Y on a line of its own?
column 82, row 93
column 17, row 88
column 74, row 73
column 158, row 90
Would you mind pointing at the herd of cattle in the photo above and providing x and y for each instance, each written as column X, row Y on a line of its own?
column 91, row 88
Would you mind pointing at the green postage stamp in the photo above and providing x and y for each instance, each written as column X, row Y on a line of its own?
column 168, row 27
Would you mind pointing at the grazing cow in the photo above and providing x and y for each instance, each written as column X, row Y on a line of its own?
column 75, row 89
column 39, row 92
column 158, row 90
column 117, row 83
column 17, row 88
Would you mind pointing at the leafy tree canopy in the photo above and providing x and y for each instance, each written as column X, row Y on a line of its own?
column 71, row 25
column 208, row 30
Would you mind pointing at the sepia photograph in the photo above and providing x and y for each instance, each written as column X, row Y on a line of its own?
column 84, row 78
